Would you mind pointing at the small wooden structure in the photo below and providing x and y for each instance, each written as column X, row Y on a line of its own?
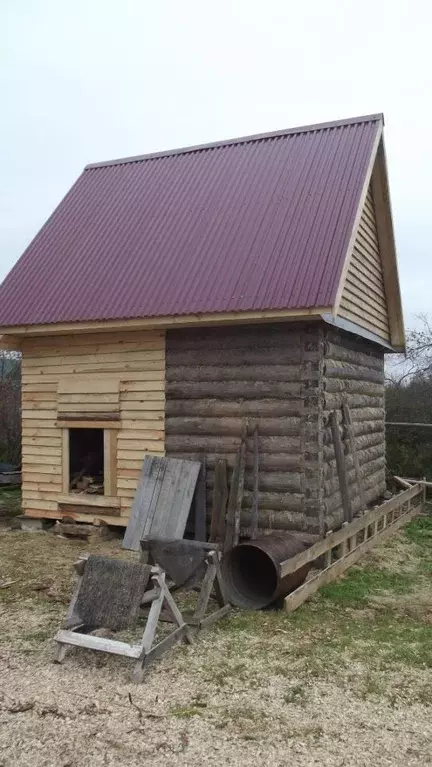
column 221, row 298
column 143, row 651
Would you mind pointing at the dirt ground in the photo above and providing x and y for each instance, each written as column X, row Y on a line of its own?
column 345, row 680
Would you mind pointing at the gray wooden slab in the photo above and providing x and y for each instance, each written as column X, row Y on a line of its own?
column 162, row 501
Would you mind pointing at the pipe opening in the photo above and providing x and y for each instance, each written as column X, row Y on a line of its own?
column 253, row 579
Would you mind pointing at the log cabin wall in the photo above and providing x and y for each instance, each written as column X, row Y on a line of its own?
column 271, row 376
column 119, row 375
column 353, row 374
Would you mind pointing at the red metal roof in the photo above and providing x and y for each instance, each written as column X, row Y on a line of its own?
column 259, row 223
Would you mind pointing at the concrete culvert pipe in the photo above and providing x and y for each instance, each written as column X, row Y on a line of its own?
column 251, row 571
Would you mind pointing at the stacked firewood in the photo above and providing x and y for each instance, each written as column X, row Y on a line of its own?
column 87, row 484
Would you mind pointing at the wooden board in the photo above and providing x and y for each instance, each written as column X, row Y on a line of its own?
column 364, row 299
column 111, row 381
column 162, row 501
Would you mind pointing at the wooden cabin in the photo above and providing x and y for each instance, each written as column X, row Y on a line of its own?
column 171, row 298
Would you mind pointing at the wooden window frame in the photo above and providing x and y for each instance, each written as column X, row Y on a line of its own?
column 109, row 497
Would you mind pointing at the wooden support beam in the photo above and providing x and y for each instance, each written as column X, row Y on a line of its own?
column 254, row 510
column 341, row 467
column 358, row 472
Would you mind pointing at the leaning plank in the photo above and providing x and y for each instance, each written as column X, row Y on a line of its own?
column 297, row 597
column 98, row 643
column 240, row 490
column 254, row 510
column 162, row 501
column 358, row 472
column 321, row 547
column 200, row 503
column 341, row 467
column 145, row 500
column 220, row 497
column 403, row 482
column 232, row 503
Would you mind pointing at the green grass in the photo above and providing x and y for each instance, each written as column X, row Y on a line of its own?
column 420, row 531
column 360, row 584
column 10, row 502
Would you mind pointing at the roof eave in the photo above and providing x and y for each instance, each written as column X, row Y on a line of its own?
column 166, row 322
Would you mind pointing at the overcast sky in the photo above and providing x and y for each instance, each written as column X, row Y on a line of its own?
column 90, row 80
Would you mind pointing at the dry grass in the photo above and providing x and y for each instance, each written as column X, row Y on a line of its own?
column 345, row 680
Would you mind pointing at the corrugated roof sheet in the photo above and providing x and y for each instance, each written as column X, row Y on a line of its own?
column 260, row 223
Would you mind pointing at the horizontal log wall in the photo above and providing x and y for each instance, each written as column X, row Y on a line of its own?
column 121, row 373
column 269, row 376
column 353, row 374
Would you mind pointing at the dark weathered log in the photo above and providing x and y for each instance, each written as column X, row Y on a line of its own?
column 362, row 413
column 220, row 498
column 276, row 501
column 255, row 488
column 235, row 498
column 348, row 424
column 275, row 481
column 354, row 401
column 334, row 385
column 343, row 370
column 341, row 468
column 224, row 357
column 268, row 462
column 365, row 458
column 356, row 344
column 273, row 519
column 230, row 426
column 360, row 429
column 181, row 443
column 254, row 408
column 335, row 352
column 212, row 372
column 374, row 487
column 242, row 337
column 230, row 389
column 331, row 485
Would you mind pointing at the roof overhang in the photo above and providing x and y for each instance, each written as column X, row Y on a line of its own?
column 12, row 334
column 352, row 327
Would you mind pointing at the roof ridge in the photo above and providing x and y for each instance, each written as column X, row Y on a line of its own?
column 240, row 140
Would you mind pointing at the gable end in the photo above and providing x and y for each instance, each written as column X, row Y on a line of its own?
column 363, row 300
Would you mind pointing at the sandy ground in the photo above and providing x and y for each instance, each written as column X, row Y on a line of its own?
column 267, row 689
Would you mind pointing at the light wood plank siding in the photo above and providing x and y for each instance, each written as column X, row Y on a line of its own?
column 363, row 299
column 118, row 372
column 353, row 374
column 268, row 376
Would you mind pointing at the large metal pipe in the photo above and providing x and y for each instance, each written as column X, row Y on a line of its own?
column 251, row 570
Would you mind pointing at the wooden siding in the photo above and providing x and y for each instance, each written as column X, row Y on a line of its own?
column 353, row 374
column 122, row 373
column 268, row 376
column 363, row 298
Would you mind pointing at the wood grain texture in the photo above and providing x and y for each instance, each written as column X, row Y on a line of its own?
column 363, row 299
column 353, row 377
column 162, row 501
column 97, row 376
column 266, row 377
